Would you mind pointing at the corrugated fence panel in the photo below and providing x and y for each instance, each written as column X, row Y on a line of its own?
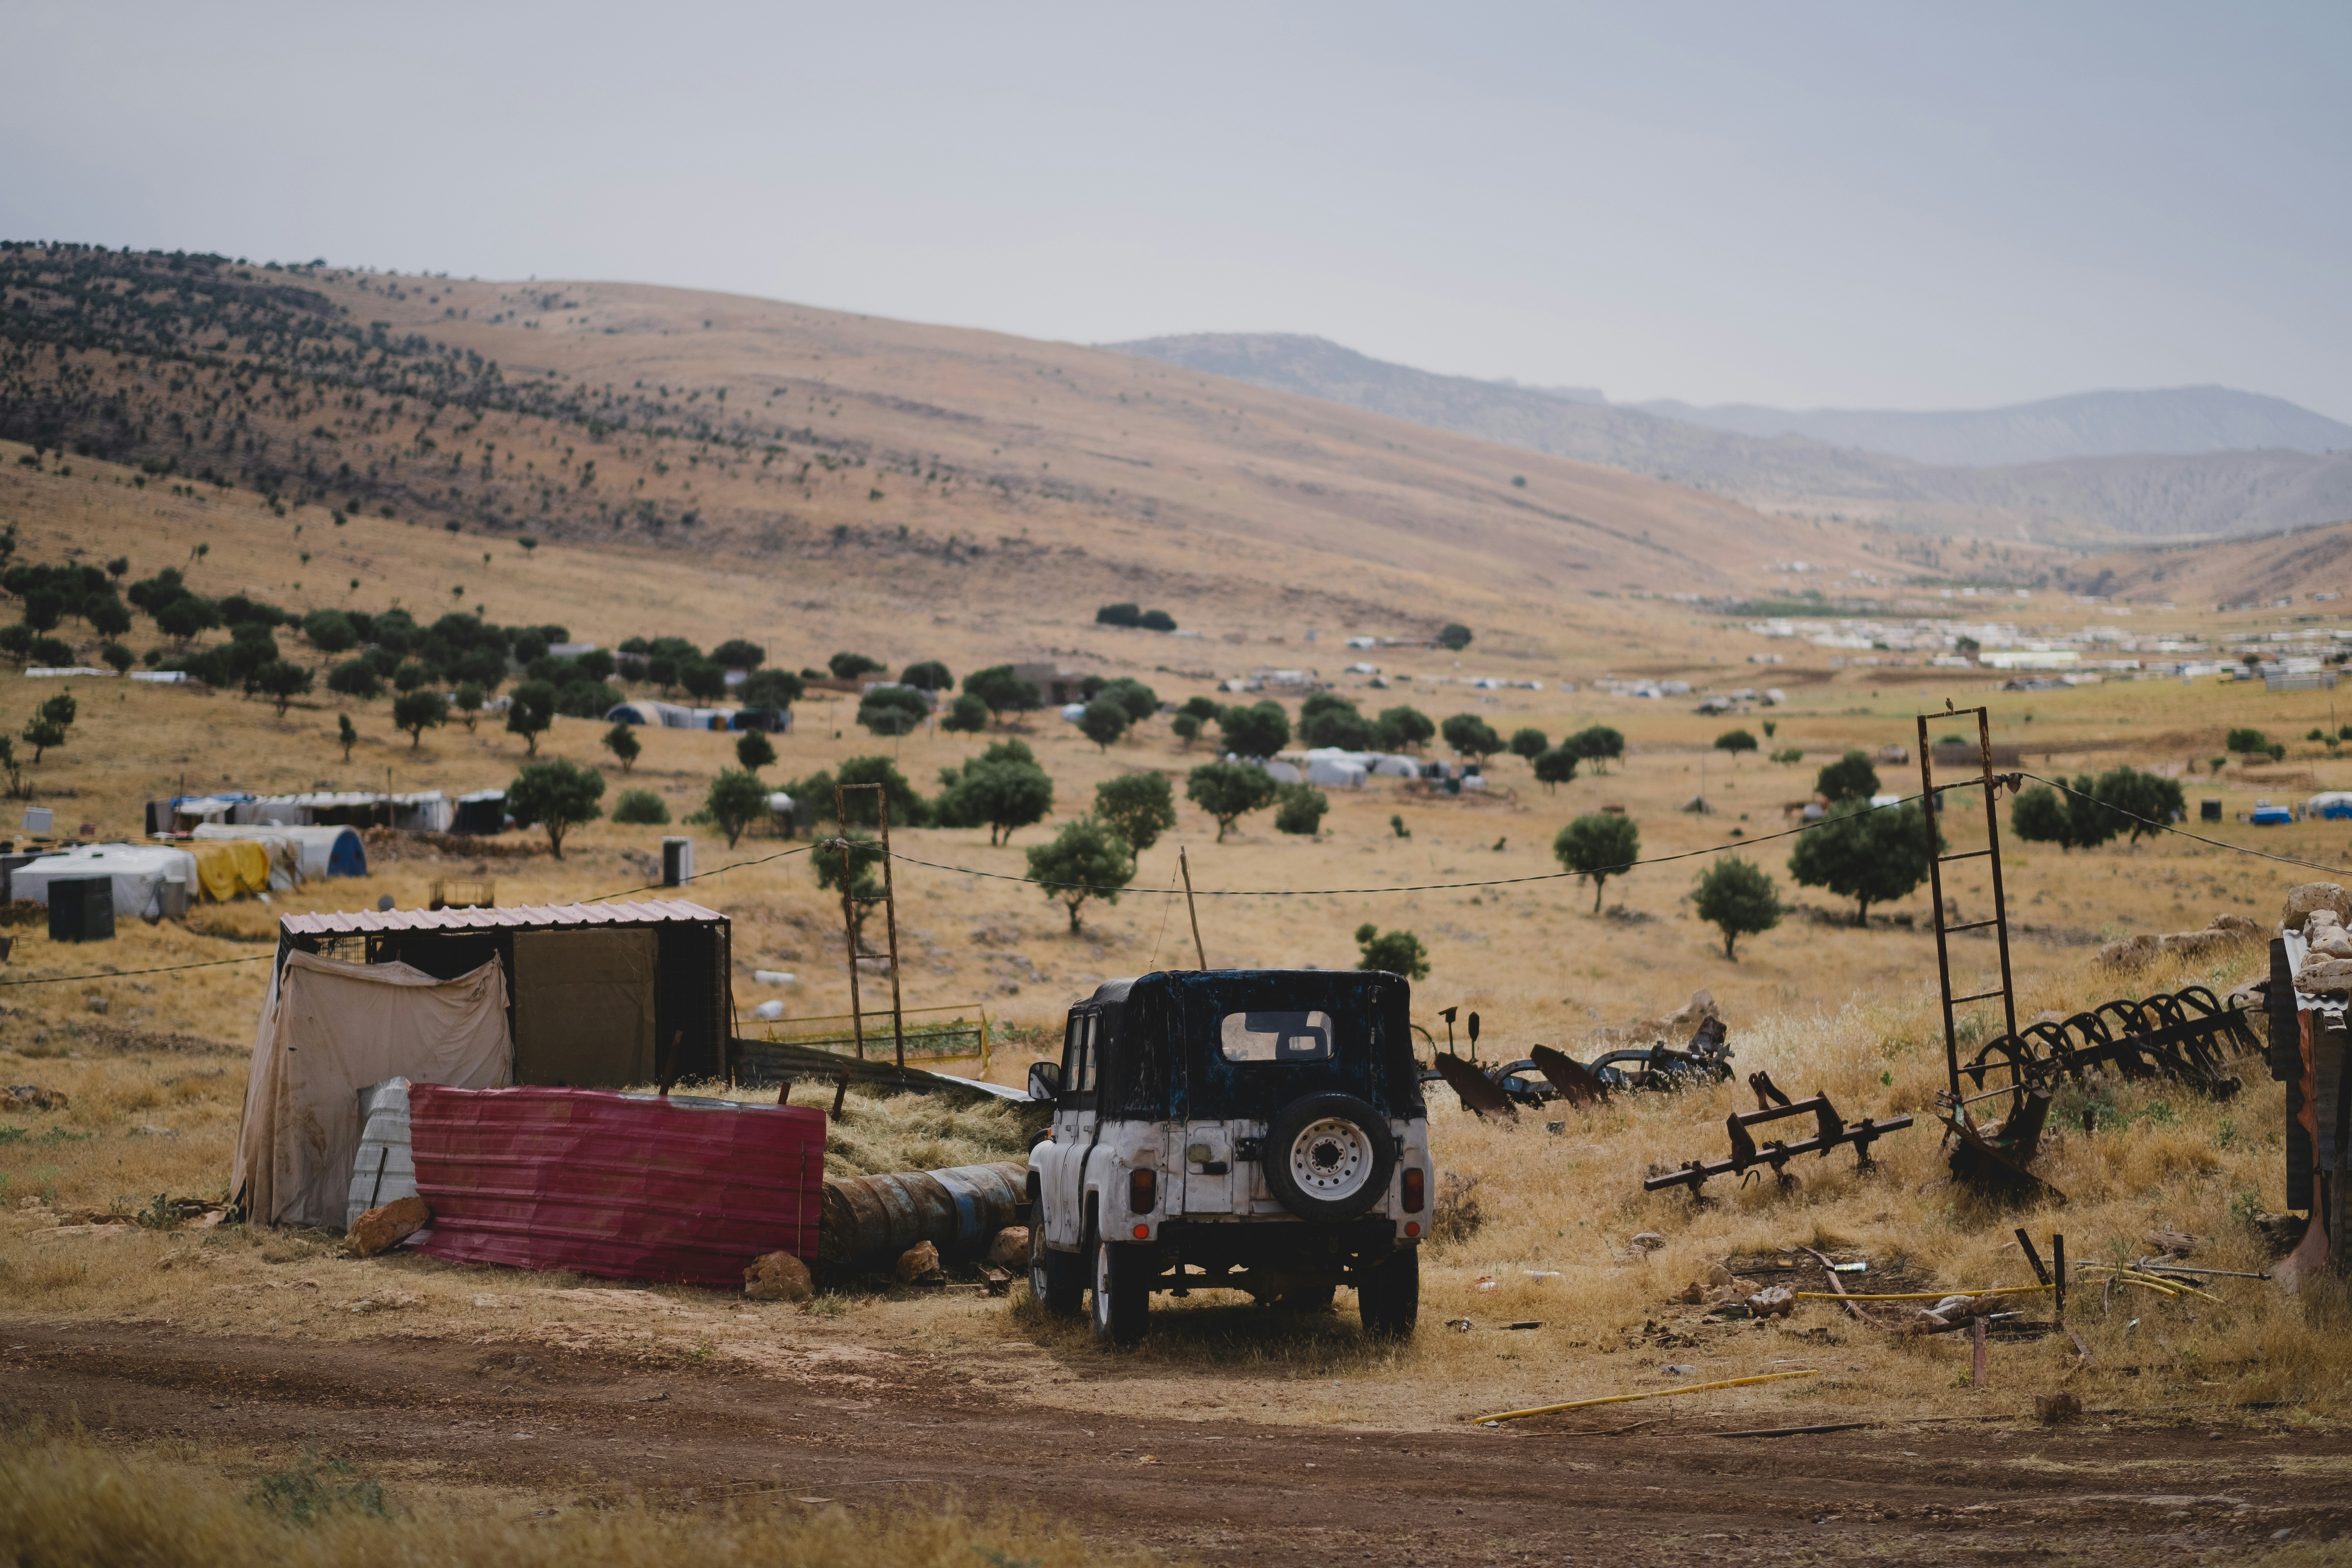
column 620, row 1186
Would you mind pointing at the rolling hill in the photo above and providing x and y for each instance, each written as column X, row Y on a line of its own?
column 852, row 468
column 2084, row 492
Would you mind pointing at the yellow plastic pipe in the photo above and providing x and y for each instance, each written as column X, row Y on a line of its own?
column 1624, row 1398
column 1923, row 1295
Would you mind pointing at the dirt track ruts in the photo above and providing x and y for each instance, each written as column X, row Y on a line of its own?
column 1224, row 1491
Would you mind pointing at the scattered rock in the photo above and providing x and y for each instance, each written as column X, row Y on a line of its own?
column 2226, row 931
column 917, row 1264
column 149, row 1130
column 381, row 1229
column 390, row 1302
column 1676, row 1368
column 1717, row 1274
column 2307, row 897
column 1773, row 1301
column 2052, row 1409
column 2320, row 976
column 32, row 1097
column 96, row 1002
column 1690, row 1294
column 2174, row 1242
column 1649, row 1241
column 778, row 1277
column 1678, row 1025
column 1011, row 1247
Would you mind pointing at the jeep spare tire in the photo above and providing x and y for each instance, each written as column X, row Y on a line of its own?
column 1329, row 1157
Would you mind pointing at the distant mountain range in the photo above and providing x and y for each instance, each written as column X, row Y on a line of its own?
column 2099, row 465
column 2087, row 425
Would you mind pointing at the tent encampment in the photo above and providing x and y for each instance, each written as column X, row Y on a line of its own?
column 330, row 1029
column 139, row 871
column 320, row 851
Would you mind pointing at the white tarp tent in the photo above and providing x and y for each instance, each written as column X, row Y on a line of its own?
column 139, row 870
column 314, row 847
column 330, row 1029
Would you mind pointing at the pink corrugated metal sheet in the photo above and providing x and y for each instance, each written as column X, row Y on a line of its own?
column 620, row 1186
column 344, row 923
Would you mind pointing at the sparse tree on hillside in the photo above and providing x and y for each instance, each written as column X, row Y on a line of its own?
column 1228, row 792
column 735, row 801
column 1529, row 742
column 1735, row 742
column 1471, row 736
column 531, row 713
column 621, row 741
column 282, row 681
column 754, row 752
column 1851, row 777
column 1737, row 899
column 346, row 733
column 1555, row 768
column 1395, row 952
column 1597, row 744
column 1139, row 806
column 1103, row 722
column 1260, row 730
column 1599, row 845
column 555, row 796
column 1403, row 728
column 1869, row 854
column 1086, row 859
column 417, row 712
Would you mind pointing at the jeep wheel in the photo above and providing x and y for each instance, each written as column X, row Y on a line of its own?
column 1122, row 1287
column 1055, row 1279
column 1329, row 1157
column 1388, row 1298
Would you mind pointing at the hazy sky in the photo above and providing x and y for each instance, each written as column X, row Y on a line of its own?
column 1856, row 205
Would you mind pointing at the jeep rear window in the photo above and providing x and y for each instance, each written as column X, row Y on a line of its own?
column 1275, row 1037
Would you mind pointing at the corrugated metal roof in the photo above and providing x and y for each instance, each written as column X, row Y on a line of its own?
column 346, row 923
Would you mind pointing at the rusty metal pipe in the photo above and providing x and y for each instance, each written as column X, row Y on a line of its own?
column 869, row 1220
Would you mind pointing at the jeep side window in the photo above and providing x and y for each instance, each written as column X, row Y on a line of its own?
column 1275, row 1037
column 1078, row 1054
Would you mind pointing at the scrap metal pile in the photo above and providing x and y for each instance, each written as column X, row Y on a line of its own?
column 1546, row 1075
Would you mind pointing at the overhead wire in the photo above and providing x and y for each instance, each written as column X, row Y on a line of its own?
column 1172, row 892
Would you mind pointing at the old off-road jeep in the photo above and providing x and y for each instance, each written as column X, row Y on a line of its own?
column 1253, row 1130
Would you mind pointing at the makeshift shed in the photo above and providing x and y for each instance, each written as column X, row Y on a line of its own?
column 330, row 1029
column 598, row 995
column 139, row 871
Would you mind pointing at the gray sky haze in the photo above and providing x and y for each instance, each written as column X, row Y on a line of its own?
column 1851, row 207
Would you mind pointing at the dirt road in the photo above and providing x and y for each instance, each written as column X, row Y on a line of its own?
column 578, row 1427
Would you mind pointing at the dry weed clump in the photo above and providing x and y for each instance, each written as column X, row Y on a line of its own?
column 65, row 1503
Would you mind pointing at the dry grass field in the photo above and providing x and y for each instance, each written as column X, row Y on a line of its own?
column 1230, row 516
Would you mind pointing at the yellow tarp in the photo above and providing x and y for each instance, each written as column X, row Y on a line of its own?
column 226, row 867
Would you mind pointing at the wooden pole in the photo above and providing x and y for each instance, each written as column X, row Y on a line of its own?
column 849, row 920
column 1977, row 1369
column 890, row 919
column 1185, row 865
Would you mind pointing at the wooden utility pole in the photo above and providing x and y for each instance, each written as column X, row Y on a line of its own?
column 1185, row 865
column 848, row 919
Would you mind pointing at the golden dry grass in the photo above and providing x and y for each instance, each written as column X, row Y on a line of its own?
column 65, row 1503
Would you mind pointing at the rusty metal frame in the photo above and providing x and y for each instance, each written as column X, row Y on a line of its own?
column 1830, row 1132
column 1936, row 860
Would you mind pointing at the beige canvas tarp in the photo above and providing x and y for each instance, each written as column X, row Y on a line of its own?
column 331, row 1029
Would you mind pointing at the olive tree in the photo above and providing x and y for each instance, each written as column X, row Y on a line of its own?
column 556, row 796
column 1599, row 845
column 1086, row 859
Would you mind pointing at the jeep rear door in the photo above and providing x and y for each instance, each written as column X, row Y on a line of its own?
column 1075, row 1121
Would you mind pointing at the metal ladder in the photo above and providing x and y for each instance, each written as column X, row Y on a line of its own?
column 2000, row 922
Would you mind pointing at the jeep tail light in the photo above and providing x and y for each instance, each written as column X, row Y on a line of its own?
column 1142, row 1191
column 1415, row 1188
